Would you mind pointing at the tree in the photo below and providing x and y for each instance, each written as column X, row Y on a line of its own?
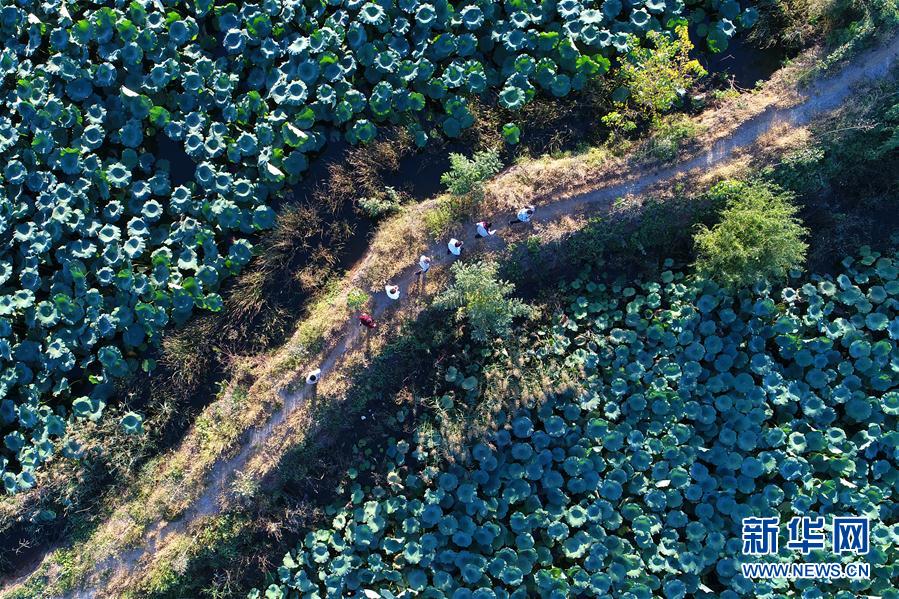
column 758, row 236
column 653, row 77
column 467, row 176
column 482, row 300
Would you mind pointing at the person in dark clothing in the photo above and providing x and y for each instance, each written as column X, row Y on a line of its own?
column 366, row 320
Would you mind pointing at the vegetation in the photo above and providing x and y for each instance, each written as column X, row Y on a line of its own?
column 111, row 240
column 467, row 175
column 657, row 74
column 608, row 449
column 386, row 203
column 636, row 240
column 845, row 25
column 669, row 135
column 619, row 484
column 465, row 181
column 758, row 238
column 481, row 300
column 356, row 299
column 654, row 79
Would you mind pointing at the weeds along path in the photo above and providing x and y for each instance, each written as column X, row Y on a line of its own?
column 821, row 97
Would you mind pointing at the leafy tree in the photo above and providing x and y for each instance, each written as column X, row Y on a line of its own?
column 758, row 237
column 653, row 77
column 482, row 300
column 467, row 176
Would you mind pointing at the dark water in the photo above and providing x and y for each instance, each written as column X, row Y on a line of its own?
column 181, row 166
column 743, row 62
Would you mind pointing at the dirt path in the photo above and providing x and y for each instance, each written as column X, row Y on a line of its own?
column 817, row 100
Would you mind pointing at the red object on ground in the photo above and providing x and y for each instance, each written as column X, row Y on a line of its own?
column 367, row 321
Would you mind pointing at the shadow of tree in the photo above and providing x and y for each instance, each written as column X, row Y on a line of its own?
column 290, row 499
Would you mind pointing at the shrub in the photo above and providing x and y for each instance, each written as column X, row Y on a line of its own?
column 440, row 218
column 669, row 135
column 467, row 176
column 356, row 299
column 482, row 300
column 388, row 202
column 758, row 237
column 654, row 77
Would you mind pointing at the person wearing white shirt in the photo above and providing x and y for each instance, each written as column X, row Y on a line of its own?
column 424, row 265
column 313, row 376
column 524, row 216
column 484, row 230
column 454, row 247
column 393, row 291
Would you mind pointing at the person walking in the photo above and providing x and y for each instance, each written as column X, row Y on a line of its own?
column 454, row 247
column 312, row 378
column 366, row 320
column 524, row 216
column 424, row 265
column 484, row 229
column 393, row 291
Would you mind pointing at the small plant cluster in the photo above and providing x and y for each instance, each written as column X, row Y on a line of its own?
column 482, row 300
column 104, row 249
column 698, row 407
column 759, row 236
column 388, row 202
column 467, row 176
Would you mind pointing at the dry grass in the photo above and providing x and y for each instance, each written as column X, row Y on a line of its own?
column 398, row 241
column 359, row 175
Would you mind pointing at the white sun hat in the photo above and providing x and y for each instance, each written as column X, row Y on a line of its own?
column 313, row 376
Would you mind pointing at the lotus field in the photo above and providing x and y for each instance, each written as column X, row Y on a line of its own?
column 695, row 407
column 104, row 246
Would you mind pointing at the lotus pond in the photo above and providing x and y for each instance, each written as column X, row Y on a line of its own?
column 102, row 250
column 695, row 407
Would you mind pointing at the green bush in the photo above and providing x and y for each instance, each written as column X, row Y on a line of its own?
column 482, row 300
column 669, row 136
column 356, row 299
column 653, row 78
column 386, row 203
column 758, row 236
column 467, row 175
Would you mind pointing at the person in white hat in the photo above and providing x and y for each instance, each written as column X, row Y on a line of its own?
column 484, row 229
column 424, row 265
column 524, row 216
column 393, row 291
column 454, row 247
column 313, row 376
column 312, row 379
